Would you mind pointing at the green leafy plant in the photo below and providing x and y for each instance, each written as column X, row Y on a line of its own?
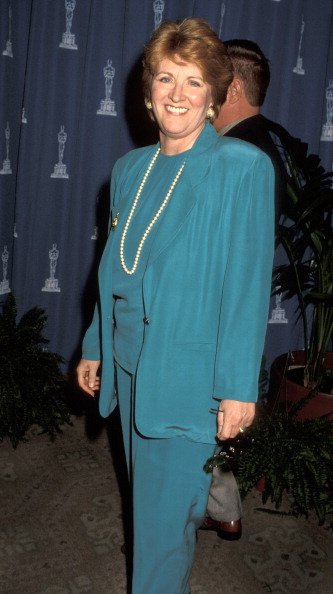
column 306, row 235
column 294, row 457
column 31, row 382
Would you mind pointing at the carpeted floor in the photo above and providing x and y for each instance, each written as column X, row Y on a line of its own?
column 61, row 528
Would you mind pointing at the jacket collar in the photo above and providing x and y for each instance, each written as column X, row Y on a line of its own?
column 183, row 200
column 198, row 164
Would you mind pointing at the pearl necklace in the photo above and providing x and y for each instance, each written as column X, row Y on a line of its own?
column 152, row 222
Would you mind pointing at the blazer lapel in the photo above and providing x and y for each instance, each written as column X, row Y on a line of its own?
column 130, row 181
column 127, row 186
column 185, row 194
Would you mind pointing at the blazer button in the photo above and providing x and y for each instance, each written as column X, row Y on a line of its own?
column 146, row 320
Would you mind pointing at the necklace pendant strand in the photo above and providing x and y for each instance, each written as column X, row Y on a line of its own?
column 158, row 213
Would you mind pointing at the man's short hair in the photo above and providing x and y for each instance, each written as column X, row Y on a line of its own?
column 251, row 67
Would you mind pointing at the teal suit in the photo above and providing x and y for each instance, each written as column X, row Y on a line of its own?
column 206, row 288
column 205, row 292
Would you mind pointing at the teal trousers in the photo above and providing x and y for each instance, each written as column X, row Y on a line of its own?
column 170, row 492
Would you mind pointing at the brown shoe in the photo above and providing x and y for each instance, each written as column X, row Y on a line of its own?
column 226, row 530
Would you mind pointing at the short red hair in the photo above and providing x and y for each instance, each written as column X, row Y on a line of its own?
column 194, row 41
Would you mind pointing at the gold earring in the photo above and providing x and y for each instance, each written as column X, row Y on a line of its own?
column 210, row 113
column 148, row 105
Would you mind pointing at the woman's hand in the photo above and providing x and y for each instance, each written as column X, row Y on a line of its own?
column 233, row 417
column 87, row 376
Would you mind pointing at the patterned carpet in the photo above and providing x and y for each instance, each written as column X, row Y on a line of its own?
column 61, row 527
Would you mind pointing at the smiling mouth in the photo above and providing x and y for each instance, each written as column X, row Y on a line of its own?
column 176, row 110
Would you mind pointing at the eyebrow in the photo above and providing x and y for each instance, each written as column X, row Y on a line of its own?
column 170, row 74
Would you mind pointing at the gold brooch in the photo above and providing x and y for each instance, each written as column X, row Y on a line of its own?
column 114, row 221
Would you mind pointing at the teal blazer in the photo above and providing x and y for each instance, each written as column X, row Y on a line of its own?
column 206, row 288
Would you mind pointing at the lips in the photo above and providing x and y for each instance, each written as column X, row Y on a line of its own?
column 176, row 110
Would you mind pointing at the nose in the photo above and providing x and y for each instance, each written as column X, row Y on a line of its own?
column 176, row 92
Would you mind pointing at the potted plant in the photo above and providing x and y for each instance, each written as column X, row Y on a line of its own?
column 307, row 238
column 294, row 456
column 31, row 382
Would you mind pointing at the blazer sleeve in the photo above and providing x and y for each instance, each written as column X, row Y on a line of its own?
column 91, row 345
column 91, row 342
column 247, row 285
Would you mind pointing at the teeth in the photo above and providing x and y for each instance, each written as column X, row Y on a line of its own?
column 176, row 109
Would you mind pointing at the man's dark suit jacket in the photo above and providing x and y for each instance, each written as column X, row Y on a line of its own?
column 276, row 142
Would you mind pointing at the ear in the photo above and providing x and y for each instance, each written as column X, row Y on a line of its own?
column 235, row 91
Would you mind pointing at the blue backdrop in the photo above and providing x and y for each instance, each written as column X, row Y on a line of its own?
column 71, row 104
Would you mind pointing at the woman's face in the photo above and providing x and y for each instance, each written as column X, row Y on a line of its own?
column 180, row 98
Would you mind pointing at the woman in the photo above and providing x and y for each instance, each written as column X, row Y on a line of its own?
column 184, row 287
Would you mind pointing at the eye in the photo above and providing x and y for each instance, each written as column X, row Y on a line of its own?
column 194, row 83
column 164, row 79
